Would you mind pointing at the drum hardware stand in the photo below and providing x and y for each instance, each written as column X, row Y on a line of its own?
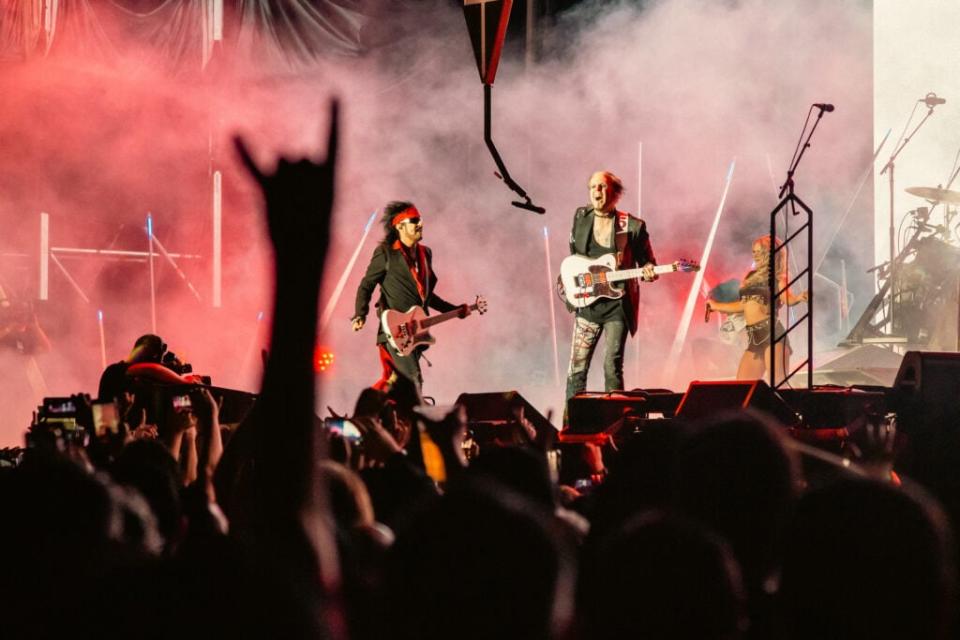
column 888, row 296
column 930, row 100
column 858, row 335
column 925, row 247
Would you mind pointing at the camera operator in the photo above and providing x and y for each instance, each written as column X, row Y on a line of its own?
column 113, row 381
column 154, row 366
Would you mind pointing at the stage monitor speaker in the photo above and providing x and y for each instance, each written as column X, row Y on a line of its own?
column 494, row 415
column 706, row 398
column 928, row 385
column 835, row 407
column 592, row 412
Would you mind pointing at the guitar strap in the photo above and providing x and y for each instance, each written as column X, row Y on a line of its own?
column 418, row 267
column 621, row 236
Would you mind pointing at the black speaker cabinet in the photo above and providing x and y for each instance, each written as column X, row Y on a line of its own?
column 706, row 398
column 835, row 407
column 928, row 388
column 492, row 417
column 593, row 412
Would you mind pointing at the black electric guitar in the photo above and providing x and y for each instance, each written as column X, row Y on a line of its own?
column 408, row 330
column 584, row 281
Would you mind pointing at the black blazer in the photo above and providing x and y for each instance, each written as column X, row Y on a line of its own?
column 633, row 248
column 398, row 289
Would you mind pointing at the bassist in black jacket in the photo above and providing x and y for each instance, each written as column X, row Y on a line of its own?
column 403, row 267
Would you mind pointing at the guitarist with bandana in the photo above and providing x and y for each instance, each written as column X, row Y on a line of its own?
column 403, row 268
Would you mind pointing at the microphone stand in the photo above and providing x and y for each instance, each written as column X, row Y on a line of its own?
column 503, row 174
column 889, row 168
column 788, row 185
column 788, row 197
column 948, row 215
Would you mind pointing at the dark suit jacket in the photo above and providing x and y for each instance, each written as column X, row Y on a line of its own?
column 633, row 250
column 398, row 289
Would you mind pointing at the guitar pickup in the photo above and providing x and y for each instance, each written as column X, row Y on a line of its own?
column 585, row 280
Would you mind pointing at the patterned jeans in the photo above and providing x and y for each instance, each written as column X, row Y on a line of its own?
column 586, row 335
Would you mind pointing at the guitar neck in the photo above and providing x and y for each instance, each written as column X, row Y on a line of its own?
column 629, row 274
column 443, row 317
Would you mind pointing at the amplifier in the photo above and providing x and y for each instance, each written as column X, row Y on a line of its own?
column 705, row 398
column 835, row 407
column 591, row 412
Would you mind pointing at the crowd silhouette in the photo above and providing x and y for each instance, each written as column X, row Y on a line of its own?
column 285, row 527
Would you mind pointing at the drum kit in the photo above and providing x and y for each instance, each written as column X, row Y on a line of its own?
column 918, row 289
column 935, row 195
column 935, row 251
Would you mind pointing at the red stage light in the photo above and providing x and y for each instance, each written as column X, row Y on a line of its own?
column 322, row 359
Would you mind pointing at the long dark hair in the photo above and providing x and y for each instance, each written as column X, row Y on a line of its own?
column 390, row 234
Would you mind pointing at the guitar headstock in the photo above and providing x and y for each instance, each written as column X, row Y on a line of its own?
column 686, row 266
column 481, row 305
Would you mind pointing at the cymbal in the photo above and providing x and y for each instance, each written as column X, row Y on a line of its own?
column 934, row 194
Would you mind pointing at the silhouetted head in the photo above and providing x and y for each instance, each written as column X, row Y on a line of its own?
column 482, row 563
column 737, row 474
column 640, row 477
column 369, row 403
column 148, row 467
column 147, row 348
column 62, row 536
column 661, row 577
column 522, row 469
column 868, row 560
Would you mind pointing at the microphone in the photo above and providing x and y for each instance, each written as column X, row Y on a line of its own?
column 529, row 206
column 823, row 106
column 931, row 100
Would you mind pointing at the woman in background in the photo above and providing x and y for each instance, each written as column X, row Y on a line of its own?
column 754, row 304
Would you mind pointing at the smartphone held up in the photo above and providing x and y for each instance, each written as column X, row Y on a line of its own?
column 344, row 428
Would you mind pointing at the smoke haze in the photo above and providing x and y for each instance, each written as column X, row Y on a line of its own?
column 698, row 84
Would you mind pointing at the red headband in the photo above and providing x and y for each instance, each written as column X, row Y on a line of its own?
column 406, row 214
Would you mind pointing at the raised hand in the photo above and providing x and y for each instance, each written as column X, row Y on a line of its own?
column 378, row 444
column 287, row 506
column 206, row 408
column 299, row 197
